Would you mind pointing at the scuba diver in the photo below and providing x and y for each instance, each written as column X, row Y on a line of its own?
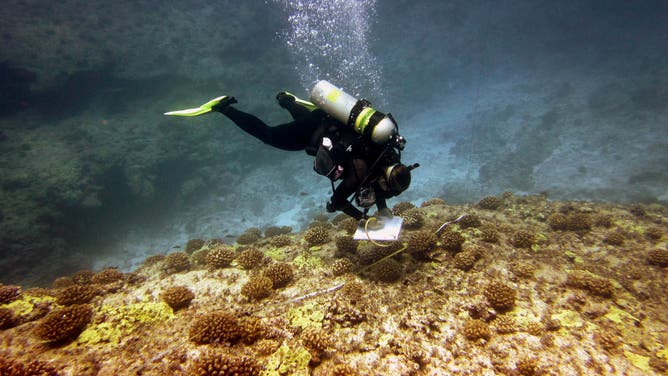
column 351, row 142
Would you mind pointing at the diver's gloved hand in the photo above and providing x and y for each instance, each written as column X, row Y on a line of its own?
column 284, row 98
column 384, row 212
column 223, row 104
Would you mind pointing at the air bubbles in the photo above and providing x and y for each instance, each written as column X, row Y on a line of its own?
column 330, row 39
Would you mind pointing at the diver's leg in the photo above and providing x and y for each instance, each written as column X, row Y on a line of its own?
column 291, row 136
column 288, row 102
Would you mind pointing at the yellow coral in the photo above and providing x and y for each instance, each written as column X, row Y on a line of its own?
column 123, row 320
column 288, row 361
column 308, row 315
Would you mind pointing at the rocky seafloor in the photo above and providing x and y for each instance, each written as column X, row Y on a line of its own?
column 520, row 285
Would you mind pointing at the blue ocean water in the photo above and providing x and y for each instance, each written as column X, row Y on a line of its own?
column 567, row 98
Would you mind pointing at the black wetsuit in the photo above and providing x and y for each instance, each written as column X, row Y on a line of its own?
column 305, row 132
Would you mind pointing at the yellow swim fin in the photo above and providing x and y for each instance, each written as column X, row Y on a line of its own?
column 201, row 110
column 304, row 103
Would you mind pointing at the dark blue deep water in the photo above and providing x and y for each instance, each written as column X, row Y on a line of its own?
column 568, row 97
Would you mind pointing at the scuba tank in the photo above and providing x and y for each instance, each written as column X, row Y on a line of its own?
column 358, row 114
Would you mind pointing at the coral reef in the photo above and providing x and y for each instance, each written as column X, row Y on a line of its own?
column 178, row 297
column 575, row 302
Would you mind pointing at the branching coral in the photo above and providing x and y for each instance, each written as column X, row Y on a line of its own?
column 176, row 262
column 476, row 329
column 579, row 222
column 77, row 294
column 342, row 266
column 469, row 220
column 249, row 237
column 251, row 258
column 522, row 269
column 349, row 225
column 178, row 297
column 452, row 240
column 316, row 341
column 504, row 324
column 7, row 319
column 489, row 234
column 316, row 236
column 465, row 260
column 596, row 285
column 490, row 203
column 433, row 202
column 279, row 273
column 527, row 367
column 272, row 231
column 216, row 327
column 413, row 219
column 11, row 367
column 9, row 293
column 346, row 245
column 221, row 363
column 280, row 240
column 558, row 222
column 193, row 245
column 658, row 257
column 64, row 324
column 654, row 233
column 257, row 287
column 83, row 277
column 500, row 296
column 523, row 239
column 614, row 238
column 421, row 243
column 107, row 276
column 401, row 207
column 388, row 270
column 220, row 257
